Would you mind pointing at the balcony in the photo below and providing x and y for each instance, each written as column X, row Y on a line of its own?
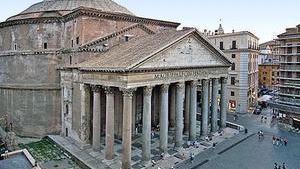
column 285, row 106
column 291, row 97
column 288, row 78
column 289, row 68
column 286, row 46
column 289, row 62
column 287, row 54
column 288, row 86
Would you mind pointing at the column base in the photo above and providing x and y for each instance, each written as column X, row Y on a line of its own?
column 96, row 149
column 171, row 128
column 178, row 149
column 147, row 164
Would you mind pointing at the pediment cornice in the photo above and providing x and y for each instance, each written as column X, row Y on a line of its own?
column 92, row 13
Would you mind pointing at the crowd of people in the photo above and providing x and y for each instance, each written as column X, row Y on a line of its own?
column 279, row 141
column 263, row 119
column 276, row 166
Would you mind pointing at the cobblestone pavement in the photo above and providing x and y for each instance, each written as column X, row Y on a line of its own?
column 94, row 160
column 252, row 152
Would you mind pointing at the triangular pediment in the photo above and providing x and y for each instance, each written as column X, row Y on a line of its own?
column 188, row 52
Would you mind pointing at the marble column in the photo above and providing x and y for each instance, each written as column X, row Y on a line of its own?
column 172, row 107
column 96, row 118
column 205, row 111
column 62, row 104
column 163, row 117
column 133, row 113
column 110, row 123
column 179, row 113
column 187, row 108
column 146, row 146
column 85, row 114
column 126, row 134
column 224, row 103
column 214, row 105
column 193, row 111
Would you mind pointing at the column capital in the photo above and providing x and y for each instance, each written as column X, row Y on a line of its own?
column 180, row 85
column 194, row 83
column 205, row 81
column 148, row 90
column 127, row 92
column 164, row 88
column 215, row 80
column 224, row 79
column 95, row 88
column 108, row 90
column 83, row 86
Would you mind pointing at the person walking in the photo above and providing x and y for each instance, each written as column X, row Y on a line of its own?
column 285, row 142
column 192, row 156
column 273, row 139
column 284, row 166
column 277, row 141
column 275, row 166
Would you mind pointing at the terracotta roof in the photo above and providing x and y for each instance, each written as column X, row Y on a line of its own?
column 125, row 56
column 108, row 36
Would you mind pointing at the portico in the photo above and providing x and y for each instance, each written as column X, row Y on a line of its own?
column 166, row 81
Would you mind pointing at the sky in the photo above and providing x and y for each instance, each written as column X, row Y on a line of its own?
column 264, row 18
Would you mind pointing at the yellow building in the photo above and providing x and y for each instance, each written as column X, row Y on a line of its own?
column 267, row 74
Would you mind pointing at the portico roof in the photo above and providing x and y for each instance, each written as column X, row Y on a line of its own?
column 128, row 56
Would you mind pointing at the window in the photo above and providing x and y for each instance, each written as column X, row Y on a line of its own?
column 45, row 45
column 232, row 56
column 70, row 60
column 289, row 50
column 15, row 47
column 72, row 43
column 298, row 49
column 219, row 92
column 233, row 66
column 67, row 109
column 264, row 78
column 221, row 46
column 126, row 38
column 233, row 44
column 232, row 81
column 289, row 59
column 77, row 40
column 232, row 93
column 67, row 132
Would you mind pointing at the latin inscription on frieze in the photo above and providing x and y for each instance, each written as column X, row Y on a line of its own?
column 205, row 73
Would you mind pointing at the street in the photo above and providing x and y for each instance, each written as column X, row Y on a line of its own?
column 255, row 153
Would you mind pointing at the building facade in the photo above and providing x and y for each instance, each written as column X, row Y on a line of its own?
column 288, row 100
column 241, row 48
column 90, row 68
column 267, row 75
column 268, row 64
column 268, row 52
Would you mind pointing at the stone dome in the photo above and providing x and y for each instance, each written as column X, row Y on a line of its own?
column 66, row 6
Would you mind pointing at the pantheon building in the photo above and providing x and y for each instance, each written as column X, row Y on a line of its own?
column 91, row 70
